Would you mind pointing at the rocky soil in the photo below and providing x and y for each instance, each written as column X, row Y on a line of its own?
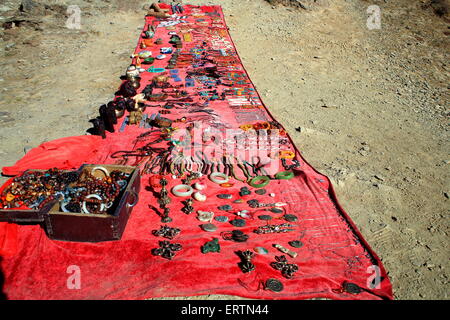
column 368, row 108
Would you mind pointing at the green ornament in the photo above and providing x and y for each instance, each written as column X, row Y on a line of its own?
column 211, row 246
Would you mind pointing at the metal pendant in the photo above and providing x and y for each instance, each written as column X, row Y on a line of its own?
column 274, row 285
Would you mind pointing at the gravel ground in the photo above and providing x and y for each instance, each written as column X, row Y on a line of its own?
column 368, row 108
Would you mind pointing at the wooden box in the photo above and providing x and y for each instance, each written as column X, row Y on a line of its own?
column 82, row 227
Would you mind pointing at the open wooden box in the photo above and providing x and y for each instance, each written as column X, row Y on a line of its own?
column 84, row 227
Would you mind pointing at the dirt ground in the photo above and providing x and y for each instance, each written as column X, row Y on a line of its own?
column 367, row 108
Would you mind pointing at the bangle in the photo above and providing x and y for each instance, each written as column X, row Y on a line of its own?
column 286, row 154
column 285, row 175
column 265, row 181
column 187, row 193
column 99, row 168
column 213, row 177
column 96, row 196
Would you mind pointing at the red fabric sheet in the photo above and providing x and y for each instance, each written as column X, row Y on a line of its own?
column 334, row 251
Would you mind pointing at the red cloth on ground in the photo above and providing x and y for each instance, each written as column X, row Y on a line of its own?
column 333, row 250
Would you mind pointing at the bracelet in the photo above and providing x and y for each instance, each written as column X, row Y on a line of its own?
column 99, row 168
column 284, row 175
column 286, row 154
column 175, row 190
column 213, row 177
column 95, row 196
column 265, row 181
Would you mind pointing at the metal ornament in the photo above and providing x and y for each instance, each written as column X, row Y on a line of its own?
column 166, row 249
column 238, row 222
column 166, row 232
column 244, row 191
column 188, row 208
column 221, row 218
column 290, row 217
column 285, row 250
column 273, row 285
column 274, row 228
column 296, row 244
column 287, row 269
column 235, row 235
column 224, row 196
column 226, row 207
column 352, row 288
column 246, row 257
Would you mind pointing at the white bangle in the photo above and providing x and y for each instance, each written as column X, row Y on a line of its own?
column 187, row 193
column 96, row 196
column 213, row 177
column 199, row 196
column 99, row 168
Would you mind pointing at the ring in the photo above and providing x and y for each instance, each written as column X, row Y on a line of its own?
column 175, row 190
column 99, row 168
column 96, row 196
column 213, row 177
column 285, row 175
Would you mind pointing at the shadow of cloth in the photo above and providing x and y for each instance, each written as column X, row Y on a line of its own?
column 2, row 283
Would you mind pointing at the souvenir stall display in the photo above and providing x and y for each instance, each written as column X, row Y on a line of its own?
column 226, row 202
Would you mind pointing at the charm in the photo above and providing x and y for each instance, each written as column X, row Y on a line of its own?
column 244, row 191
column 256, row 204
column 276, row 210
column 243, row 214
column 352, row 288
column 208, row 227
column 188, row 208
column 163, row 194
column 296, row 244
column 221, row 218
column 166, row 249
column 246, row 257
column 205, row 216
column 290, row 217
column 224, row 196
column 273, row 285
column 211, row 246
column 166, row 232
column 261, row 250
column 238, row 222
column 281, row 264
column 285, row 250
column 274, row 228
column 235, row 235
